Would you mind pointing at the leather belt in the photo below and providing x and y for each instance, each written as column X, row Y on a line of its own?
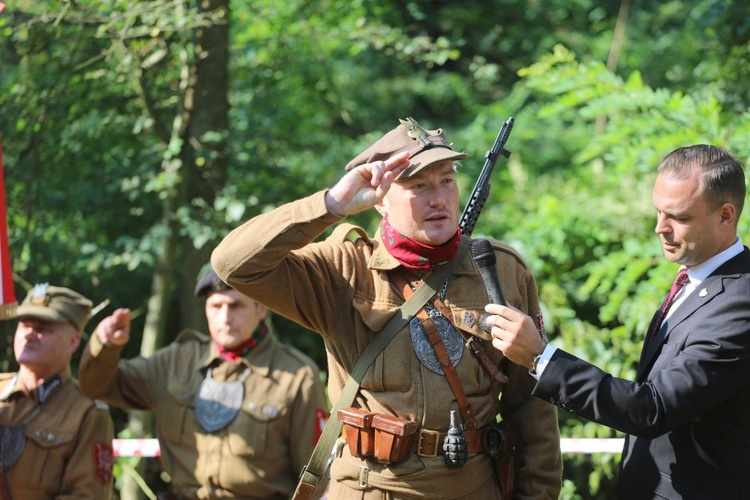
column 428, row 443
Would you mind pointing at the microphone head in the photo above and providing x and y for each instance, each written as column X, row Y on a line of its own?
column 483, row 253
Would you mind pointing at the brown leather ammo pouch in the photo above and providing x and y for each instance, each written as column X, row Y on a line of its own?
column 393, row 436
column 359, row 432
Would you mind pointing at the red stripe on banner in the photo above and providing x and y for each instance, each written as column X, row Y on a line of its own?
column 7, row 290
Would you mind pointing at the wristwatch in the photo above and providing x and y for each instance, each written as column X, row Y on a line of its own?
column 535, row 362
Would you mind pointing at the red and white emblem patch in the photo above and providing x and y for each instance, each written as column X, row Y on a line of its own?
column 542, row 331
column 104, row 461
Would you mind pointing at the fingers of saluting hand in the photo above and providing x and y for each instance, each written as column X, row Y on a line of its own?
column 393, row 166
column 385, row 172
column 365, row 186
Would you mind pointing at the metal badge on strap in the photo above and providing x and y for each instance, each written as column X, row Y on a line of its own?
column 425, row 352
column 218, row 403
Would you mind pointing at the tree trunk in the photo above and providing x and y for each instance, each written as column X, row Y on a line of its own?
column 199, row 171
column 205, row 151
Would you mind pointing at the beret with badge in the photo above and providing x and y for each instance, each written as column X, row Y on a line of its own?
column 58, row 304
column 210, row 282
column 425, row 147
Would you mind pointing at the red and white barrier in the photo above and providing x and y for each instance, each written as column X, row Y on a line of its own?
column 136, row 447
column 580, row 445
column 150, row 447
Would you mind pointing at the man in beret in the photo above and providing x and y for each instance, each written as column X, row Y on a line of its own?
column 54, row 441
column 237, row 414
column 348, row 286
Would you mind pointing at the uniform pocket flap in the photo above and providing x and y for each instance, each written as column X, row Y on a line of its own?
column 46, row 437
column 393, row 425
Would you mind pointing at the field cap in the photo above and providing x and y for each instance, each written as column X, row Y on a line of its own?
column 425, row 147
column 210, row 282
column 54, row 303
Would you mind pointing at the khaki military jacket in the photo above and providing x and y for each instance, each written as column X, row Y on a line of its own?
column 340, row 288
column 68, row 451
column 260, row 453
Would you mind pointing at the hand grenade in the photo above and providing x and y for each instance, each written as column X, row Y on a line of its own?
column 455, row 447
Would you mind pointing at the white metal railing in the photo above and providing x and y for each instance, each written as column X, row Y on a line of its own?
column 150, row 447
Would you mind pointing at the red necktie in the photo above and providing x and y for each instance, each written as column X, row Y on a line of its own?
column 679, row 282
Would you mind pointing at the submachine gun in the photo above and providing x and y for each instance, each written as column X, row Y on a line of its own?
column 502, row 441
column 481, row 190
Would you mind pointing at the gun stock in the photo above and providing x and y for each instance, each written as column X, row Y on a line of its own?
column 481, row 190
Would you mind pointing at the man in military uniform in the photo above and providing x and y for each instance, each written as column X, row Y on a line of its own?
column 54, row 441
column 237, row 414
column 347, row 287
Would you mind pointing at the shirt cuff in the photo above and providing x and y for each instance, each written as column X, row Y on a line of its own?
column 542, row 363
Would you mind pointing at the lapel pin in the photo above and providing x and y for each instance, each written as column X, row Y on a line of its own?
column 703, row 293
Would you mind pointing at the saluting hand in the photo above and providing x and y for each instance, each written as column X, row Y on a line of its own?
column 115, row 329
column 365, row 186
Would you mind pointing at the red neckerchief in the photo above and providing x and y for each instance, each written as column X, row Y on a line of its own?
column 237, row 351
column 415, row 255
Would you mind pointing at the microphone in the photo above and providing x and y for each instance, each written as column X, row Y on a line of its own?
column 484, row 257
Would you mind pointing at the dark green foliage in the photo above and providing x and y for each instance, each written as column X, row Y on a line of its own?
column 90, row 90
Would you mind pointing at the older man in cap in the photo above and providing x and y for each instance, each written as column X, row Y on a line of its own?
column 54, row 441
column 348, row 286
column 237, row 414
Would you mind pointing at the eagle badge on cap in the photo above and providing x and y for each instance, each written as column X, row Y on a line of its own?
column 415, row 131
column 39, row 295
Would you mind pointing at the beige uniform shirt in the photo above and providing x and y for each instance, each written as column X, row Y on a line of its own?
column 68, row 451
column 340, row 288
column 260, row 453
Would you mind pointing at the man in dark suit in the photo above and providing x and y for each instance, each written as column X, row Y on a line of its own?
column 687, row 415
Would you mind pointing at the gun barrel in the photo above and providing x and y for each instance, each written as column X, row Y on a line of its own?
column 481, row 190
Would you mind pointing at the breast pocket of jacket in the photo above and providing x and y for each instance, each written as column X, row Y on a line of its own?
column 668, row 352
column 51, row 452
column 391, row 370
column 252, row 432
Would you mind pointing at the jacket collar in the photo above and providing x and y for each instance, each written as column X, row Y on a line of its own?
column 381, row 260
column 258, row 359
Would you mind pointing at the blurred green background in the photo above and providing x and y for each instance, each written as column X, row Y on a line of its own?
column 136, row 134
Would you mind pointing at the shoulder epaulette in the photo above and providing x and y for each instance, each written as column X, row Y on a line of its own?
column 101, row 405
column 350, row 232
column 299, row 356
column 507, row 249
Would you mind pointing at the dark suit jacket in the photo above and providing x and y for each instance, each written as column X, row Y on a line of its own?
column 687, row 415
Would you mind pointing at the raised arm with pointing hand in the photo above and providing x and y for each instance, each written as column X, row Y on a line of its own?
column 115, row 329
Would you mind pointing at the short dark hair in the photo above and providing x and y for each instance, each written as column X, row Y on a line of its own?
column 721, row 173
